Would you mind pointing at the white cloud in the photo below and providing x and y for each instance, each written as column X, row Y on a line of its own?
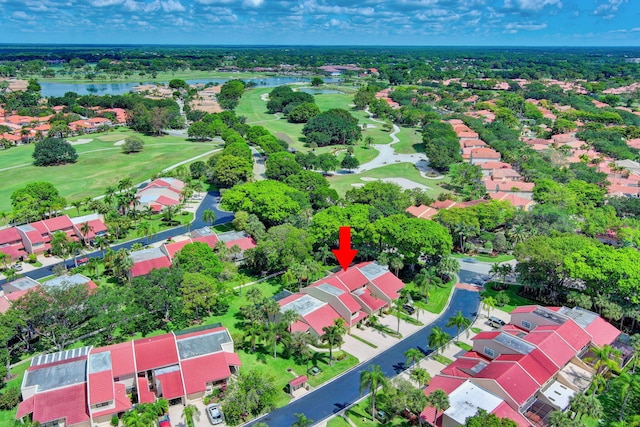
column 608, row 10
column 530, row 5
column 19, row 14
column 252, row 3
column 105, row 3
column 209, row 2
column 514, row 27
column 172, row 6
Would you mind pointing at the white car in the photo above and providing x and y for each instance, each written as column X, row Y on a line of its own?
column 214, row 413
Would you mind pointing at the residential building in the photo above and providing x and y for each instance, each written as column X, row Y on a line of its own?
column 86, row 386
column 36, row 236
column 17, row 288
column 360, row 291
column 160, row 193
column 148, row 259
column 11, row 243
column 95, row 227
column 527, row 369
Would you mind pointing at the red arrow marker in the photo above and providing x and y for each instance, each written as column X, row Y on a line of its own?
column 345, row 254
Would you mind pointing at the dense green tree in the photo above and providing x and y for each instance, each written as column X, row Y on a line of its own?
column 54, row 151
column 349, row 162
column 387, row 198
column 281, row 165
column 338, row 125
column 281, row 247
column 252, row 393
column 317, row 186
column 231, row 170
column 484, row 419
column 303, row 112
column 132, row 144
column 271, row 201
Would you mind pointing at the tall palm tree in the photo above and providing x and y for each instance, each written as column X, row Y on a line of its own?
column 396, row 263
column 289, row 317
column 332, row 335
column 460, row 322
column 109, row 194
column 209, row 215
column 159, row 407
column 420, row 376
column 439, row 400
column 372, row 379
column 489, row 303
column 144, row 230
column 189, row 413
column 136, row 418
column 606, row 361
column 628, row 384
column 302, row 421
column 438, row 339
column 413, row 355
column 85, row 229
column 101, row 243
column 4, row 259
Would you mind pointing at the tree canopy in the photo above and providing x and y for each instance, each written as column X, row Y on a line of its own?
column 54, row 151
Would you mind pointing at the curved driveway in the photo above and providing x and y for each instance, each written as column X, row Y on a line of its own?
column 210, row 202
column 343, row 391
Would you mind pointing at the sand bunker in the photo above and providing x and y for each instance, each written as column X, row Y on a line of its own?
column 80, row 141
column 121, row 142
column 264, row 97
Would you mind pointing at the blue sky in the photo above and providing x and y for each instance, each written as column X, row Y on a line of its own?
column 323, row 22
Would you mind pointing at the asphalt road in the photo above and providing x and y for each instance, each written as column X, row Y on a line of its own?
column 344, row 390
column 210, row 202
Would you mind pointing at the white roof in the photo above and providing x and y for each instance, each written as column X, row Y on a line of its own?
column 467, row 399
column 559, row 394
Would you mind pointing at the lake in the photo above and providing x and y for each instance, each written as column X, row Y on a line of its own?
column 59, row 89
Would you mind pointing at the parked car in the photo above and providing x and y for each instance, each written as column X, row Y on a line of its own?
column 17, row 267
column 164, row 421
column 214, row 413
column 409, row 309
column 470, row 260
column 495, row 322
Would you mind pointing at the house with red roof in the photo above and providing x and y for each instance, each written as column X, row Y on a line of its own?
column 160, row 193
column 36, row 236
column 515, row 200
column 87, row 386
column 11, row 243
column 527, row 369
column 352, row 295
column 482, row 155
column 146, row 260
column 88, row 227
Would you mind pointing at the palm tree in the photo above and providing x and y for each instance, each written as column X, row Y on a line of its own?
column 4, row 258
column 628, row 383
column 92, row 265
column 101, row 243
column 396, row 264
column 189, row 413
column 302, row 421
column 332, row 336
column 85, row 229
column 144, row 230
column 372, row 379
column 447, row 266
column 124, row 184
column 489, row 303
column 558, row 419
column 420, row 376
column 460, row 322
column 209, row 215
column 77, row 204
column 368, row 140
column 413, row 355
column 136, row 418
column 159, row 407
column 109, row 194
column 439, row 400
column 606, row 359
column 438, row 339
column 289, row 317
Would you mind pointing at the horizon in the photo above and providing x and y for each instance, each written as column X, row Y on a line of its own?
column 420, row 23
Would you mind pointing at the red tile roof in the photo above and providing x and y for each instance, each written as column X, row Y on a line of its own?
column 443, row 383
column 557, row 349
column 298, row 381
column 513, row 379
column 166, row 201
column 96, row 226
column 536, row 363
column 121, row 358
column 199, row 371
column 9, row 235
column 14, row 251
column 4, row 304
column 299, row 326
column 372, row 302
column 323, row 316
column 485, row 153
column 68, row 403
column 571, row 333
column 144, row 395
column 602, row 332
column 145, row 267
column 232, row 359
column 460, row 368
column 486, row 335
column 210, row 240
column 505, row 411
column 62, row 222
column 171, row 384
column 352, row 278
column 389, row 284
column 122, row 402
column 173, row 248
column 101, row 387
column 244, row 243
column 155, row 352
column 351, row 303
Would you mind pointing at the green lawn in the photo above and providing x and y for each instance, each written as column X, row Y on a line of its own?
column 343, row 183
column 360, row 415
column 438, row 297
column 338, row 422
column 487, row 258
column 442, row 359
column 100, row 165
column 410, row 141
column 515, row 300
column 463, row 345
column 7, row 417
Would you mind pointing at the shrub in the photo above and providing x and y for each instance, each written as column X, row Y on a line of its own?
column 502, row 299
column 33, row 258
column 132, row 144
column 10, row 398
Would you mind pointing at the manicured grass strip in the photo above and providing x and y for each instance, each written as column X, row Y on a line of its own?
column 338, row 421
column 438, row 297
column 442, row 359
column 515, row 300
column 410, row 141
column 476, row 330
column 407, row 318
column 463, row 345
column 364, row 341
column 487, row 258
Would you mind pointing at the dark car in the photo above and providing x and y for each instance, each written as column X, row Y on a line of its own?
column 409, row 309
column 470, row 260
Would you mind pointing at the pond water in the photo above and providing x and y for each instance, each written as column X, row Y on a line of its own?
column 59, row 89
